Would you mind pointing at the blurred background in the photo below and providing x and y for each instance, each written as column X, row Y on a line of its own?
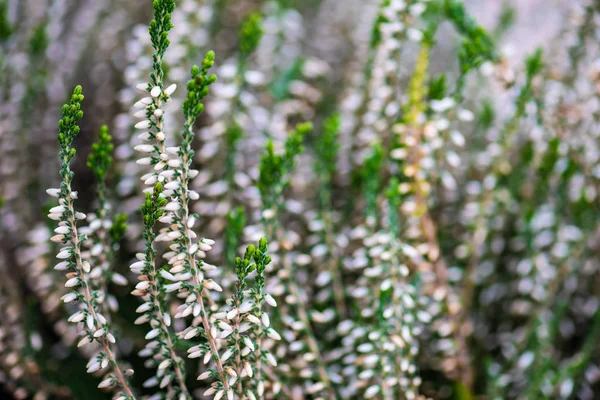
column 49, row 46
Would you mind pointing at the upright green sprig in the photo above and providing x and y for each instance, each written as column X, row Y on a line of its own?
column 236, row 222
column 197, row 88
column 159, row 36
column 478, row 45
column 251, row 33
column 95, row 326
column 161, row 343
column 68, row 130
column 118, row 228
column 233, row 135
column 99, row 161
column 5, row 28
column 275, row 168
column 327, row 148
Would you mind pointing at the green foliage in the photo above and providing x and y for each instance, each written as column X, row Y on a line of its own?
column 197, row 88
column 100, row 159
column 534, row 64
column 327, row 147
column 39, row 40
column 394, row 198
column 255, row 259
column 251, row 33
column 236, row 222
column 271, row 166
column 487, row 114
column 119, row 227
column 67, row 125
column 455, row 11
column 159, row 36
column 232, row 135
column 243, row 266
column 437, row 87
column 506, row 20
column 477, row 45
column 281, row 83
column 381, row 19
column 261, row 259
column 476, row 49
column 152, row 206
column 5, row 28
column 274, row 168
column 371, row 178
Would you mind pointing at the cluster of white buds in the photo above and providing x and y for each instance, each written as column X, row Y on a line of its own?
column 376, row 105
column 94, row 326
column 241, row 332
column 160, row 347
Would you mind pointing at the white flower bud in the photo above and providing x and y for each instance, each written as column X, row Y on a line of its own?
column 265, row 319
column 248, row 343
column 171, row 89
column 192, row 333
column 144, row 161
column 72, row 282
column 273, row 334
column 69, row 297
column 145, row 124
column 61, row 266
column 155, row 92
column 53, row 192
column 203, row 376
column 57, row 209
column 152, row 334
column 143, row 285
column 173, row 287
column 119, row 279
column 144, row 148
column 63, row 255
column 172, row 206
column 270, row 300
column 164, row 364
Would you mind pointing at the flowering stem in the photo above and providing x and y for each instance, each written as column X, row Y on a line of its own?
column 67, row 131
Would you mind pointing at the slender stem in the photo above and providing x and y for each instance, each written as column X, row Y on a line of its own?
column 195, row 273
column 165, row 328
column 88, row 297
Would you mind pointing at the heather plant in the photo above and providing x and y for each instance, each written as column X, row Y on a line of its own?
column 298, row 200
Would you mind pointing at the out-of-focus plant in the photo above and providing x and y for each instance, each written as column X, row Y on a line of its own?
column 422, row 205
